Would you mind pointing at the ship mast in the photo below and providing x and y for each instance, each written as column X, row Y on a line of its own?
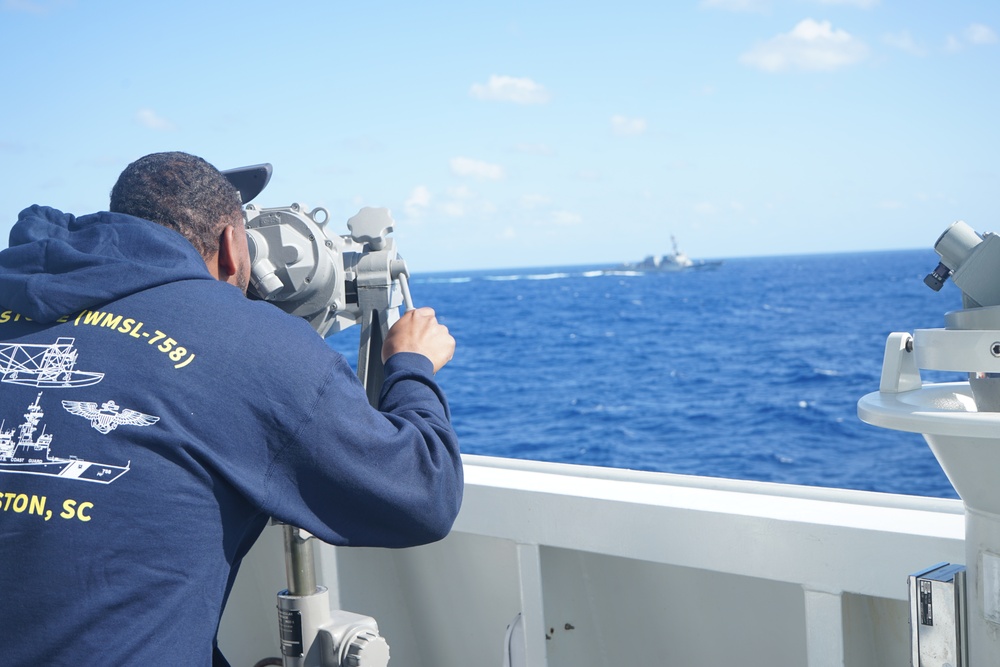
column 31, row 419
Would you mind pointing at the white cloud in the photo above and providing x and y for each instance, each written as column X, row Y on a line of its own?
column 362, row 144
column 463, row 166
column 904, row 42
column 738, row 5
column 418, row 201
column 566, row 218
column 534, row 149
column 458, row 202
column 811, row 45
column 463, row 202
column 705, row 208
column 510, row 89
column 152, row 120
column 862, row 4
column 977, row 33
column 454, row 209
column 461, row 192
column 534, row 201
column 627, row 127
column 34, row 6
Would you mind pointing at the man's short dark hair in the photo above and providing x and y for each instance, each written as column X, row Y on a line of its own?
column 179, row 191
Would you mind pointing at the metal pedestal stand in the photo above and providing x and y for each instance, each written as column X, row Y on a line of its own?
column 311, row 634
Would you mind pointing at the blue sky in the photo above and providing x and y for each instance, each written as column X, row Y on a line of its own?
column 528, row 133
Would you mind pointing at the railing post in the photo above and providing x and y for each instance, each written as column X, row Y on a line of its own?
column 824, row 628
column 532, row 635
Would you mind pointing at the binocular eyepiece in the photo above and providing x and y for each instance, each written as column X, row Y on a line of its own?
column 971, row 261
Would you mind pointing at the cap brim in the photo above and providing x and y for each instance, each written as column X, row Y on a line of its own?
column 250, row 181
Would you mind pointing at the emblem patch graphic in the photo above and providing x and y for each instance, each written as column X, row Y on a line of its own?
column 107, row 417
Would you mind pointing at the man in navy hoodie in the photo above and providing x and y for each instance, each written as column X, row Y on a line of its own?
column 154, row 419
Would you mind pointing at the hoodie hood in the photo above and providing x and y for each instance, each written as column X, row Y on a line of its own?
column 57, row 264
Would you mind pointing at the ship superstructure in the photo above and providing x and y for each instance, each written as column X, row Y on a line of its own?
column 32, row 455
column 675, row 261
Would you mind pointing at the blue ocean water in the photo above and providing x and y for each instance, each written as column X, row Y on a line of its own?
column 752, row 371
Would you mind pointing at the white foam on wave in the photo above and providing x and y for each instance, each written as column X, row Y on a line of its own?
column 446, row 281
column 546, row 276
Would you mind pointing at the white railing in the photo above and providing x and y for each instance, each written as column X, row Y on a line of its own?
column 615, row 567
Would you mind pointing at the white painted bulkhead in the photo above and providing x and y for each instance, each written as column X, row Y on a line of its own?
column 617, row 567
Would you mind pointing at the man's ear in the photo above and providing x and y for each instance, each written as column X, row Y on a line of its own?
column 228, row 259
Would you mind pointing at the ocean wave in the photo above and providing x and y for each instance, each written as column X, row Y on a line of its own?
column 444, row 281
column 546, row 276
column 732, row 373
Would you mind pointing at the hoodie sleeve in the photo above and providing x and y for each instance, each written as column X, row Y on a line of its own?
column 354, row 475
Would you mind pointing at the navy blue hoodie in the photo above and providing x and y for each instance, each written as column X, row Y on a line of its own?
column 153, row 419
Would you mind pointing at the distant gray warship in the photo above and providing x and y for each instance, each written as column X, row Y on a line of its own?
column 676, row 261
